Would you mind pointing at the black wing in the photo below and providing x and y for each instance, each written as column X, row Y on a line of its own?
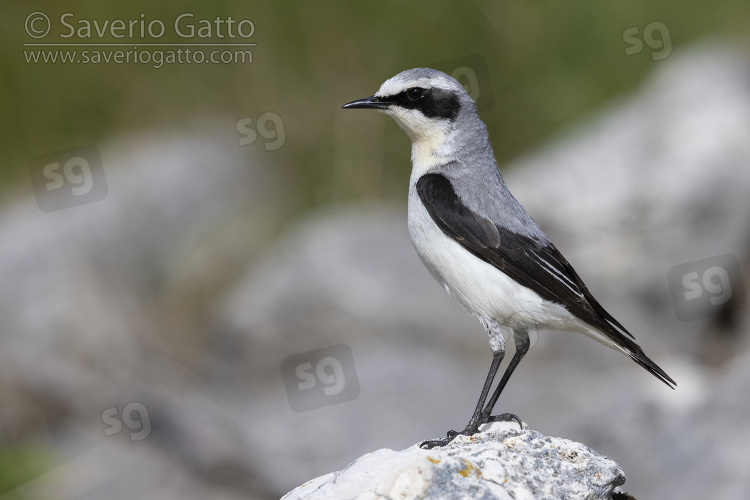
column 535, row 264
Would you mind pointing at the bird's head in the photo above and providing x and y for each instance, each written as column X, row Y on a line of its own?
column 426, row 103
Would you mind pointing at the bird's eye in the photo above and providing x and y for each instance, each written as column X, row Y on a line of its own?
column 414, row 93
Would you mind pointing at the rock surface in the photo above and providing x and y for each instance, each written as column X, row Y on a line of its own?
column 501, row 462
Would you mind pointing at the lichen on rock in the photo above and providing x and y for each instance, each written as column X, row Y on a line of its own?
column 500, row 462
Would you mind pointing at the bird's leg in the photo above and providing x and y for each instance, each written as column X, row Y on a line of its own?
column 521, row 338
column 476, row 418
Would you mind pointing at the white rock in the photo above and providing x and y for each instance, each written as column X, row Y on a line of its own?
column 501, row 462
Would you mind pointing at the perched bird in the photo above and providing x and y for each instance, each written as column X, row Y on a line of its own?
column 477, row 240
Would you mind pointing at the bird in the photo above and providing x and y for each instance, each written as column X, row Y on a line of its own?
column 479, row 242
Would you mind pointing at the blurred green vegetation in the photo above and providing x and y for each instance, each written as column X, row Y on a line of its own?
column 550, row 62
column 18, row 465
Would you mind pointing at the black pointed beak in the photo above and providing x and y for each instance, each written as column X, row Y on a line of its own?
column 373, row 102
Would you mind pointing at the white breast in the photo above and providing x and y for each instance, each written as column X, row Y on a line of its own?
column 482, row 289
column 477, row 285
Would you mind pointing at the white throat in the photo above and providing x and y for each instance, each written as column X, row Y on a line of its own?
column 428, row 138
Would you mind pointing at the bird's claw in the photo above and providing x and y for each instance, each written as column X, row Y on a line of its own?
column 505, row 417
column 435, row 443
column 438, row 443
column 450, row 436
column 470, row 430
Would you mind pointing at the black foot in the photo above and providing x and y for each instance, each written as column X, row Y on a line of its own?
column 505, row 417
column 470, row 430
column 438, row 443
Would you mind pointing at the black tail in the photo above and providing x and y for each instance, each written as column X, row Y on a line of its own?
column 640, row 357
column 620, row 336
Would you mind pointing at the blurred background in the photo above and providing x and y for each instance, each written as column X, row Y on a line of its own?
column 208, row 288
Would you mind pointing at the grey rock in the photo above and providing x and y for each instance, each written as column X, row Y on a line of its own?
column 501, row 462
column 98, row 310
